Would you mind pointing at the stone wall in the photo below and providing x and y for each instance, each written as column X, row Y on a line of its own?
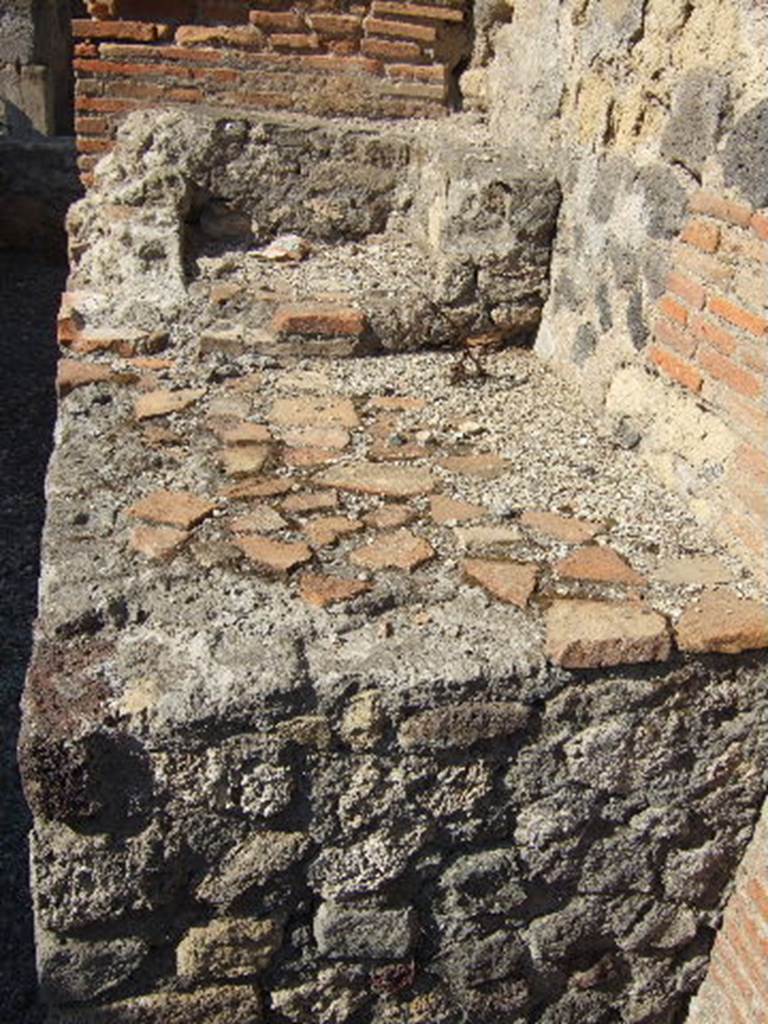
column 35, row 86
column 655, row 113
column 386, row 59
column 735, row 990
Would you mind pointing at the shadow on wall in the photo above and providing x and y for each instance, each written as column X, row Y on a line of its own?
column 29, row 290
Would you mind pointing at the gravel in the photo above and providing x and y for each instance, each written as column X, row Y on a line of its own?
column 29, row 294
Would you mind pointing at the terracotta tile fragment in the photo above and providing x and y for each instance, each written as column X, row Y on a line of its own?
column 724, row 622
column 599, row 565
column 485, row 465
column 309, row 456
column 154, row 434
column 373, row 478
column 486, row 536
column 328, row 529
column 247, row 383
column 324, row 590
column 591, row 634
column 567, row 529
column 321, row 411
column 259, row 519
column 323, row 318
column 702, row 569
column 242, row 433
column 274, row 555
column 303, row 380
column 224, row 291
column 244, row 460
column 396, row 403
column 316, row 437
column 443, row 510
column 389, row 517
column 310, row 502
column 71, row 374
column 161, row 403
column 399, row 550
column 172, row 508
column 511, row 582
column 260, row 487
column 151, row 363
column 158, row 542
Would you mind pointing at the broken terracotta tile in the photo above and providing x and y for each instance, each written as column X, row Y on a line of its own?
column 151, row 363
column 511, row 582
column 599, row 565
column 443, row 510
column 724, row 622
column 592, row 634
column 161, row 403
column 323, row 318
column 309, row 456
column 328, row 529
column 242, row 433
column 252, row 381
column 324, row 590
column 71, row 374
column 310, row 502
column 399, row 550
column 396, row 403
column 303, row 380
column 158, row 542
column 693, row 569
column 274, row 555
column 173, row 508
column 485, row 465
column 227, row 407
column 486, row 536
column 389, row 517
column 383, row 426
column 244, row 460
column 567, row 529
column 373, row 478
column 322, row 411
column 263, row 487
column 316, row 437
column 259, row 519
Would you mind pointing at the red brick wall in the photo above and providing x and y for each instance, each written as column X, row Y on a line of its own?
column 388, row 58
column 711, row 338
column 735, row 990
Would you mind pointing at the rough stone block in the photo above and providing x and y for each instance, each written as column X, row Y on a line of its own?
column 344, row 931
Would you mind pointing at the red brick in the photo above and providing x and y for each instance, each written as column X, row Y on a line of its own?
column 93, row 145
column 678, row 369
column 105, row 104
column 745, row 416
column 319, row 318
column 741, row 244
column 706, row 330
column 400, row 29
column 759, row 896
column 408, row 10
column 676, row 338
column 335, row 24
column 138, row 31
column 738, row 316
column 721, row 368
column 91, row 125
column 387, row 50
column 286, row 21
column 183, row 54
column 419, row 72
column 709, row 268
column 716, row 206
column 351, row 65
column 759, row 225
column 719, row 980
column 685, row 288
column 673, row 309
column 86, row 50
column 749, row 533
column 701, row 235
column 753, row 355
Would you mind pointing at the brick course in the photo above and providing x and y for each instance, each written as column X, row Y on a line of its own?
column 711, row 338
column 384, row 59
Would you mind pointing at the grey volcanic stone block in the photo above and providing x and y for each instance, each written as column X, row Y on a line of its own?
column 745, row 158
column 344, row 931
column 700, row 109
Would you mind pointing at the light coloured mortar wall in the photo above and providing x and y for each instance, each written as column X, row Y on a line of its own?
column 655, row 114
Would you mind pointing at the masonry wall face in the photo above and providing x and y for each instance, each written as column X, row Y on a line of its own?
column 655, row 114
column 329, row 57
